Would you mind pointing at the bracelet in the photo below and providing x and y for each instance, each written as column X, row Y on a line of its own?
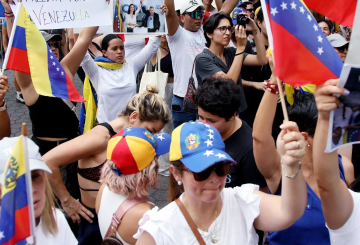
column 291, row 176
column 9, row 15
column 240, row 53
column 9, row 12
column 273, row 88
column 3, row 107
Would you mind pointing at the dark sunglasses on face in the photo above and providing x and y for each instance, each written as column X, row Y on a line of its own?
column 221, row 169
column 55, row 44
column 250, row 10
column 223, row 29
column 342, row 49
column 195, row 14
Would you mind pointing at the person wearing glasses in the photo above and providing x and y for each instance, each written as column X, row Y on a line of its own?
column 340, row 45
column 216, row 214
column 250, row 10
column 218, row 62
column 185, row 43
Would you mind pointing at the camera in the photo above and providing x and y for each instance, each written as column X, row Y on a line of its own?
column 238, row 18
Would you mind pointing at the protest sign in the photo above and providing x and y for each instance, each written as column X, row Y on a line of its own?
column 344, row 125
column 59, row 14
column 139, row 17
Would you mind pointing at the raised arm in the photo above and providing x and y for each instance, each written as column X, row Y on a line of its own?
column 146, row 54
column 172, row 20
column 5, row 129
column 72, row 60
column 218, row 4
column 228, row 6
column 280, row 212
column 64, row 46
column 336, row 200
column 266, row 155
column 91, row 143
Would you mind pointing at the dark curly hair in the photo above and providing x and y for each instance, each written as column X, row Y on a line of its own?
column 304, row 113
column 211, row 23
column 221, row 97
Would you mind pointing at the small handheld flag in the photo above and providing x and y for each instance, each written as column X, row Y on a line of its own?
column 29, row 53
column 302, row 53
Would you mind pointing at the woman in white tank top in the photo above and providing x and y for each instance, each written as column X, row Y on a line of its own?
column 131, row 168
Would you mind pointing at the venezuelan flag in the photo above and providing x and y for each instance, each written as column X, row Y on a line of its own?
column 344, row 15
column 29, row 53
column 14, row 219
column 302, row 53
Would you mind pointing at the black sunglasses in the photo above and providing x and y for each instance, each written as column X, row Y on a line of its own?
column 223, row 29
column 250, row 10
column 221, row 169
column 342, row 49
column 55, row 44
column 195, row 14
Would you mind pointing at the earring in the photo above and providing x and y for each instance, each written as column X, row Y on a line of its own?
column 308, row 145
column 179, row 182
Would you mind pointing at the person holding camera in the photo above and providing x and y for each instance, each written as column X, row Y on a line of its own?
column 220, row 62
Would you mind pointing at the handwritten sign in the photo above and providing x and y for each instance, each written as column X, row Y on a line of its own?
column 59, row 14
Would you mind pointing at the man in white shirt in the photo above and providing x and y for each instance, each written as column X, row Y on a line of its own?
column 185, row 43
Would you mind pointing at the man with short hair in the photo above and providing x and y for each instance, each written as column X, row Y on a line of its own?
column 151, row 20
column 185, row 43
column 218, row 102
column 249, row 9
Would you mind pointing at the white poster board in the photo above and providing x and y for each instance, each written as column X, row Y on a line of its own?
column 60, row 14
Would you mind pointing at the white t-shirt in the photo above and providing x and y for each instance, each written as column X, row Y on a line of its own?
column 64, row 235
column 184, row 46
column 131, row 19
column 116, row 87
column 349, row 234
column 234, row 224
column 133, row 47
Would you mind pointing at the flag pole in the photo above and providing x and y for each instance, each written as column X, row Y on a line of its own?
column 11, row 39
column 31, row 239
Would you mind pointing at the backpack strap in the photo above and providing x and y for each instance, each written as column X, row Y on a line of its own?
column 120, row 212
column 108, row 126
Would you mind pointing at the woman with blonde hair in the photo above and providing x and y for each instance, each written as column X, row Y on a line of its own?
column 146, row 110
column 128, row 173
column 51, row 225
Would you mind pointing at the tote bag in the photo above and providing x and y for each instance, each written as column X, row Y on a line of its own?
column 157, row 77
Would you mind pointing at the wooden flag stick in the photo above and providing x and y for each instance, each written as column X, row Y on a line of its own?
column 24, row 130
column 282, row 100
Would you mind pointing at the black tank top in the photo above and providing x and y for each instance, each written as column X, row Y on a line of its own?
column 52, row 118
column 166, row 65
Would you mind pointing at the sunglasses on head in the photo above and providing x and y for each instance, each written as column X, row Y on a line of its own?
column 342, row 49
column 55, row 44
column 221, row 169
column 195, row 14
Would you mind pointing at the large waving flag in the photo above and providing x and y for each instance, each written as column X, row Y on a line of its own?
column 340, row 11
column 29, row 53
column 302, row 53
column 15, row 224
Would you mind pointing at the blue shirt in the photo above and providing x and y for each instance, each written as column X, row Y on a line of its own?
column 150, row 22
column 310, row 229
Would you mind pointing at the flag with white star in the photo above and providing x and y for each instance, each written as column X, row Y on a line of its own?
column 302, row 53
column 29, row 53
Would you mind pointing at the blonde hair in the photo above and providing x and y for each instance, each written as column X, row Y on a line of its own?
column 149, row 105
column 47, row 215
column 136, row 184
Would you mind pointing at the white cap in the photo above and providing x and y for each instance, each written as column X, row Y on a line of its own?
column 35, row 160
column 191, row 5
column 337, row 40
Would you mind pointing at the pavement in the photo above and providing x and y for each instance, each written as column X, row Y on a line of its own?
column 19, row 114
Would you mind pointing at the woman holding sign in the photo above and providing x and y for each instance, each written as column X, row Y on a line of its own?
column 130, row 18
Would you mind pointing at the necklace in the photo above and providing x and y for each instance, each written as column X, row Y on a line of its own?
column 214, row 236
column 166, row 49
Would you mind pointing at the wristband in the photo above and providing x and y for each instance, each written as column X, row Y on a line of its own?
column 291, row 176
column 272, row 88
column 240, row 53
column 8, row 13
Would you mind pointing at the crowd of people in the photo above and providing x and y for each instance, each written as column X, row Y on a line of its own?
column 238, row 173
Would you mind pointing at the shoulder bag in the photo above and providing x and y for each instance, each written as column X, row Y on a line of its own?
column 157, row 77
column 110, row 236
column 189, row 105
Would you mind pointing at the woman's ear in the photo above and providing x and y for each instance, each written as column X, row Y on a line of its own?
column 306, row 137
column 104, row 52
column 209, row 35
column 133, row 117
column 175, row 173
